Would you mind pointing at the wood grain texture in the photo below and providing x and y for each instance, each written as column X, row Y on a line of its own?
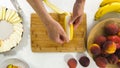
column 40, row 42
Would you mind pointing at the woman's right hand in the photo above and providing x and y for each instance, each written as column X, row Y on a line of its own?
column 56, row 32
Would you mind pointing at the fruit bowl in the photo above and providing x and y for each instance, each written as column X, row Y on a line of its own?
column 107, row 49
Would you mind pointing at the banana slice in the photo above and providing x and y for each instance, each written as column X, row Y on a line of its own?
column 3, row 13
column 17, row 20
column 8, row 13
column 11, row 15
column 0, row 13
column 14, row 17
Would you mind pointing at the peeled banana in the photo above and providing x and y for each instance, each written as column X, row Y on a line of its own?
column 113, row 7
column 105, row 2
column 68, row 27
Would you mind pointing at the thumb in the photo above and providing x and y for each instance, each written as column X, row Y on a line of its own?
column 72, row 19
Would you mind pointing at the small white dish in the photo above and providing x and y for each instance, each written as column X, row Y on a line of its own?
column 15, row 61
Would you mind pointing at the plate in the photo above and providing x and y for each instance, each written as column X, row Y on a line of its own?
column 98, row 30
column 14, row 61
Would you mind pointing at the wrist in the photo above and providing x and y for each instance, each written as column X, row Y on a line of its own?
column 80, row 1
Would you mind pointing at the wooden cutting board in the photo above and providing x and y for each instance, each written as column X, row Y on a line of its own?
column 40, row 42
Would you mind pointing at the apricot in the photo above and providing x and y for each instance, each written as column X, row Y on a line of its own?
column 109, row 47
column 101, row 61
column 100, row 40
column 113, row 59
column 84, row 61
column 111, row 29
column 95, row 49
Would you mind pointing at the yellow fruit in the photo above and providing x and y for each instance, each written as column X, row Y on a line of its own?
column 0, row 13
column 3, row 13
column 113, row 7
column 53, row 7
column 105, row 2
column 68, row 27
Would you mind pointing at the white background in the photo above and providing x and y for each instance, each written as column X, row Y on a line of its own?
column 48, row 60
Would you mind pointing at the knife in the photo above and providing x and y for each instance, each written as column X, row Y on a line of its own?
column 18, row 8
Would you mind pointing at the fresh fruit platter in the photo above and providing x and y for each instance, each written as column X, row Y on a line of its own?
column 104, row 43
column 11, row 17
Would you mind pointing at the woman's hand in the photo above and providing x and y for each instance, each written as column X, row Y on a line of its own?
column 78, row 11
column 56, row 32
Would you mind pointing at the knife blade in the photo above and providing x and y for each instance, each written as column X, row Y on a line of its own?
column 18, row 8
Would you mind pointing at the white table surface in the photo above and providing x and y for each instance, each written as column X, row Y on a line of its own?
column 48, row 60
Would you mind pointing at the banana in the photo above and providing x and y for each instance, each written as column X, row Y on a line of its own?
column 12, row 13
column 8, row 13
column 105, row 2
column 68, row 27
column 0, row 13
column 113, row 7
column 3, row 12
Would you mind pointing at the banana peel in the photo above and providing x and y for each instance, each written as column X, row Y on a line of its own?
column 68, row 27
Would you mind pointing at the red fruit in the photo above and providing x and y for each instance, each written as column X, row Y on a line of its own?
column 118, row 45
column 84, row 61
column 118, row 53
column 111, row 29
column 101, row 61
column 113, row 59
column 109, row 47
column 95, row 49
column 100, row 40
column 72, row 63
column 114, row 38
column 118, row 64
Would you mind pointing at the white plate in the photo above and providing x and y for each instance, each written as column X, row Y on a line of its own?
column 14, row 61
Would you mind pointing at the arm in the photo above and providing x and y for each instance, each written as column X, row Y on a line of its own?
column 55, row 31
column 78, row 11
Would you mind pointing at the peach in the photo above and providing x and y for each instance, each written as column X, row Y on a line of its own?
column 84, row 61
column 118, row 64
column 95, row 49
column 72, row 63
column 109, row 47
column 101, row 61
column 118, row 53
column 113, row 59
column 100, row 40
column 114, row 38
column 111, row 29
